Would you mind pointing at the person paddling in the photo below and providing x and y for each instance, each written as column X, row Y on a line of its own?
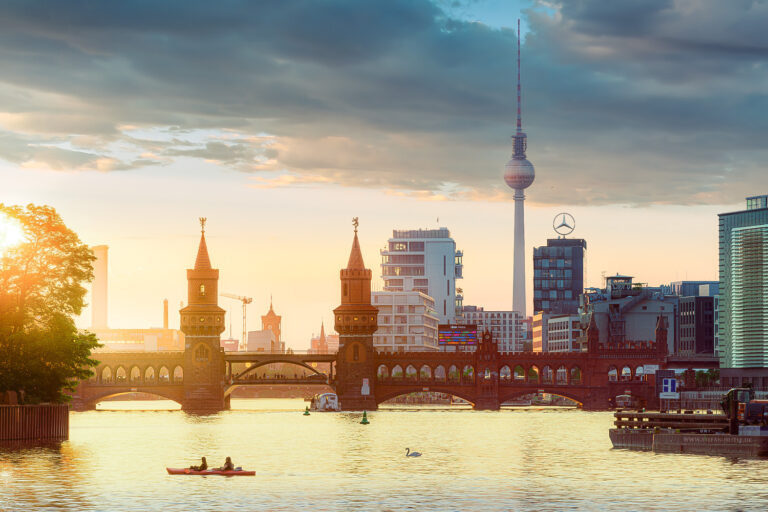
column 228, row 466
column 202, row 467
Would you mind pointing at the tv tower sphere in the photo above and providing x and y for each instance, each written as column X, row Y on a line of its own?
column 519, row 173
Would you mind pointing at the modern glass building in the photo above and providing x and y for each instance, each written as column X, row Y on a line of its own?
column 743, row 301
column 558, row 275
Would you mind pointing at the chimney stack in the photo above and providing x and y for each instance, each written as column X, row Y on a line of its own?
column 165, row 313
column 99, row 288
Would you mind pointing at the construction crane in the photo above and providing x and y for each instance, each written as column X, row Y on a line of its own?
column 245, row 301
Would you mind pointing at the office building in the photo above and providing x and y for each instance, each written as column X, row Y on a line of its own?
column 425, row 261
column 564, row 333
column 697, row 326
column 743, row 301
column 693, row 288
column 505, row 326
column 558, row 275
column 407, row 322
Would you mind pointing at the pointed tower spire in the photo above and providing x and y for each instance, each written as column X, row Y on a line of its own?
column 322, row 331
column 355, row 256
column 203, row 262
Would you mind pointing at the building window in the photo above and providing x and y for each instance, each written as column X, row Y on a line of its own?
column 202, row 289
column 355, row 352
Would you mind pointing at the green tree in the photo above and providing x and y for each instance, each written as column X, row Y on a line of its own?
column 42, row 353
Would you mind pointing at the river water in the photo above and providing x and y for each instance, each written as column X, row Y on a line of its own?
column 515, row 459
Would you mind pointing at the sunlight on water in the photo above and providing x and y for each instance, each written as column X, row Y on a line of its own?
column 517, row 459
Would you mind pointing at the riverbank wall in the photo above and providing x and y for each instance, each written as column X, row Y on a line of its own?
column 34, row 422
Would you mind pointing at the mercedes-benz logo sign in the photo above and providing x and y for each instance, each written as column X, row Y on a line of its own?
column 564, row 224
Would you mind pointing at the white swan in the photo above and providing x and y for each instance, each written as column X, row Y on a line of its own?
column 409, row 453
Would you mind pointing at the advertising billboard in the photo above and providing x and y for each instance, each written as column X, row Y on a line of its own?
column 457, row 334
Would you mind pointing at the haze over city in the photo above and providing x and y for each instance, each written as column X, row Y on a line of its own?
column 642, row 123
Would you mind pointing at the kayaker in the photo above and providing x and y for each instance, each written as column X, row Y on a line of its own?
column 202, row 467
column 228, row 466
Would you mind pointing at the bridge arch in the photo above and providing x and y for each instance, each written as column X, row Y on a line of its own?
column 440, row 374
column 561, row 375
column 574, row 395
column 534, row 375
column 453, row 373
column 410, row 372
column 397, row 372
column 277, row 361
column 135, row 374
column 164, row 375
column 639, row 372
column 178, row 374
column 382, row 372
column 519, row 373
column 120, row 374
column 405, row 390
column 149, row 374
column 166, row 394
column 425, row 372
column 505, row 373
column 613, row 374
column 106, row 374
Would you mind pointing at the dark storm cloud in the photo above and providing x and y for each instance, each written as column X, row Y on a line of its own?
column 633, row 101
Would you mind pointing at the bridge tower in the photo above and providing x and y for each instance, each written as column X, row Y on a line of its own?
column 355, row 321
column 202, row 322
column 487, row 374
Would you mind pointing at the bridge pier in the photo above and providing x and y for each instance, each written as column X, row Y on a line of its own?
column 487, row 404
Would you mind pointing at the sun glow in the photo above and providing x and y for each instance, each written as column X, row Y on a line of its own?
column 11, row 233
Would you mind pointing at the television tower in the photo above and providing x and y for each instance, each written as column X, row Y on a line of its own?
column 519, row 175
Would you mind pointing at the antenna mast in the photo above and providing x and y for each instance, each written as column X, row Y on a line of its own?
column 519, row 102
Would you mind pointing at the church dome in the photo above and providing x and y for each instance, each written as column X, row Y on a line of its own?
column 519, row 173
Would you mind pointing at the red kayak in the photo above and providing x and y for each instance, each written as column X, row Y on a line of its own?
column 187, row 471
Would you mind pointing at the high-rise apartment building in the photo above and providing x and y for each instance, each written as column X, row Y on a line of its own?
column 743, row 304
column 558, row 275
column 407, row 322
column 426, row 261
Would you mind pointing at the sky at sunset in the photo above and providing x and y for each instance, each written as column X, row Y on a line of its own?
column 280, row 121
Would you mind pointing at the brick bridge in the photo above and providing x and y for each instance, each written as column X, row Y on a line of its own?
column 486, row 378
column 202, row 376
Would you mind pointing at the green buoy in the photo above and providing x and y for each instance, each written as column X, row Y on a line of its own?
column 306, row 411
column 365, row 419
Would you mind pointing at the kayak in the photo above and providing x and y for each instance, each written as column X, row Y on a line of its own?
column 187, row 471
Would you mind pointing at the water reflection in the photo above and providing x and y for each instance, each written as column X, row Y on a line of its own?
column 532, row 459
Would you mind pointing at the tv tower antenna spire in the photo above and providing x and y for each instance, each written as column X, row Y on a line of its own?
column 519, row 101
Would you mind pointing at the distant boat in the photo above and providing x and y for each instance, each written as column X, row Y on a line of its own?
column 325, row 402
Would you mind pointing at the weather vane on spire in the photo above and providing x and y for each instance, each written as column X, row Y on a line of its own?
column 355, row 222
column 202, row 223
